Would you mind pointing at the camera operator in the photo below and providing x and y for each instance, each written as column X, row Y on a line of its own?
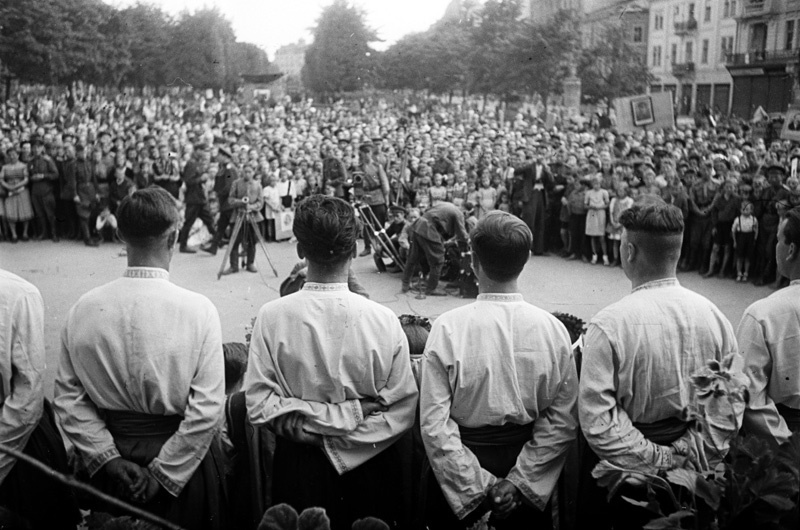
column 246, row 199
column 371, row 186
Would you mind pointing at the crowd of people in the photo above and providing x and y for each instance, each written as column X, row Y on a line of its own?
column 67, row 168
column 469, row 422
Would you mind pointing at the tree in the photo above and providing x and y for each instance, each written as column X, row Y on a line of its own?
column 340, row 59
column 149, row 29
column 612, row 67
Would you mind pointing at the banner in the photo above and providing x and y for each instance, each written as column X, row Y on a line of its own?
column 283, row 225
column 648, row 111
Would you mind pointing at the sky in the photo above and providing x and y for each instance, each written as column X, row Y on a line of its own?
column 272, row 23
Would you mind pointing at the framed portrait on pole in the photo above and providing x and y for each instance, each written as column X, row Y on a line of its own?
column 642, row 110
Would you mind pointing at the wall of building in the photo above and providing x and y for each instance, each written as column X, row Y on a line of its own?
column 695, row 35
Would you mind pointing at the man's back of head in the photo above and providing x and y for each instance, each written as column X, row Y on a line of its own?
column 652, row 237
column 146, row 217
column 501, row 245
column 326, row 229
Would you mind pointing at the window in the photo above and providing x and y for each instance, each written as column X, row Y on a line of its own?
column 733, row 8
column 707, row 13
column 656, row 55
column 689, row 52
column 704, row 53
column 726, row 47
column 677, row 12
column 726, row 7
column 691, row 11
column 658, row 22
column 789, row 35
column 673, row 56
column 637, row 34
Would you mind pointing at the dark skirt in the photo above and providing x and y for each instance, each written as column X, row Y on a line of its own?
column 723, row 235
column 497, row 449
column 139, row 438
column 304, row 478
column 26, row 491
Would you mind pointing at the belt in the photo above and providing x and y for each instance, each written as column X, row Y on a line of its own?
column 124, row 424
column 663, row 432
column 492, row 435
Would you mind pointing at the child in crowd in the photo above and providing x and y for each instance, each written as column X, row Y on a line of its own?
column 577, row 219
column 472, row 192
column 459, row 192
column 621, row 202
column 272, row 207
column 423, row 199
column 745, row 233
column 596, row 201
column 438, row 191
column 487, row 197
column 504, row 202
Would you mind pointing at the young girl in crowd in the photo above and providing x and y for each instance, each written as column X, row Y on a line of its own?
column 423, row 198
column 487, row 197
column 621, row 202
column 504, row 202
column 596, row 201
column 459, row 192
column 438, row 191
column 577, row 219
column 745, row 232
column 472, row 192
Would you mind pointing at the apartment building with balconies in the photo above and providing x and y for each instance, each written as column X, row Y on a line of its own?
column 689, row 43
column 764, row 59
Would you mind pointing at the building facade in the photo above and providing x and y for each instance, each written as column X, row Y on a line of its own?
column 290, row 60
column 689, row 42
column 764, row 58
column 629, row 16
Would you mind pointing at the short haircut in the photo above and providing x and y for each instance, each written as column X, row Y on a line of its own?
column 146, row 216
column 235, row 354
column 656, row 227
column 791, row 230
column 326, row 229
column 502, row 244
column 417, row 330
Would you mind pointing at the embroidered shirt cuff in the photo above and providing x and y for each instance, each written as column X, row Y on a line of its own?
column 172, row 487
column 357, row 412
column 95, row 464
column 526, row 491
column 333, row 455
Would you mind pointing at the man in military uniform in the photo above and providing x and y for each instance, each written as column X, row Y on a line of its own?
column 371, row 187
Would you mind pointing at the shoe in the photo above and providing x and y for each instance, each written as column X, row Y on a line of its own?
column 91, row 242
column 38, row 237
column 14, row 239
column 251, row 268
column 187, row 250
column 232, row 270
column 56, row 239
column 739, row 278
column 435, row 292
column 405, row 288
column 605, row 261
column 211, row 249
column 24, row 238
column 594, row 259
column 744, row 277
column 572, row 257
column 365, row 252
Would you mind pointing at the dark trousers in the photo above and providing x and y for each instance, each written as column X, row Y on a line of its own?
column 67, row 217
column 44, row 206
column 223, row 221
column 304, row 478
column 247, row 239
column 194, row 212
column 533, row 214
column 577, row 235
column 700, row 242
column 428, row 251
column 380, row 213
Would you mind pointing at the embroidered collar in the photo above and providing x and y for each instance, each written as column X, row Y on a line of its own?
column 153, row 273
column 325, row 287
column 655, row 284
column 500, row 297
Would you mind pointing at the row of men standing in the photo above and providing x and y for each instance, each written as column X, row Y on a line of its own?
column 142, row 396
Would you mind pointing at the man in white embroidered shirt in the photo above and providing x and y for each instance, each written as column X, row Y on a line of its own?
column 140, row 387
column 498, row 395
column 638, row 357
column 769, row 339
column 329, row 371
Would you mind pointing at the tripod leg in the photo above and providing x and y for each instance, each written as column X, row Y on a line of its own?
column 262, row 244
column 234, row 234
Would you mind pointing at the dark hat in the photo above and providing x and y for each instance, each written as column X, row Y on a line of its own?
column 398, row 209
column 775, row 167
column 80, row 147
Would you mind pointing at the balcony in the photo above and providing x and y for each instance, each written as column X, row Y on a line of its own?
column 756, row 8
column 683, row 69
column 686, row 28
column 762, row 58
